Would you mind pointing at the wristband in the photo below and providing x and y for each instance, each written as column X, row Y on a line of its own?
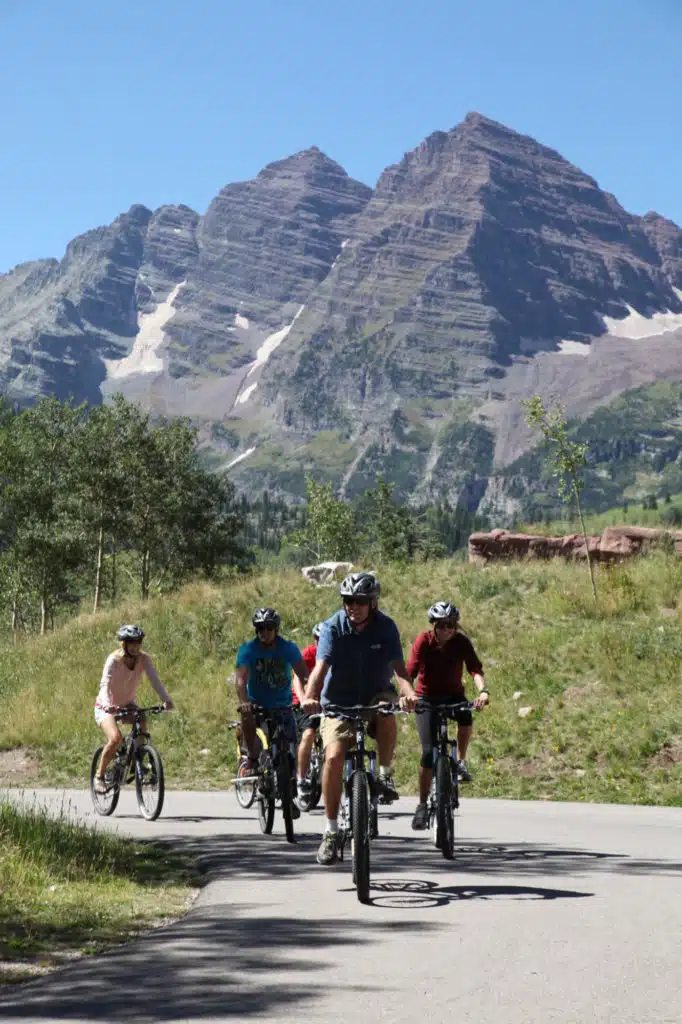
column 484, row 690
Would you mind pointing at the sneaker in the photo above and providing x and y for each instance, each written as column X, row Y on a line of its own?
column 303, row 796
column 387, row 790
column 328, row 851
column 101, row 784
column 463, row 772
column 249, row 770
column 420, row 819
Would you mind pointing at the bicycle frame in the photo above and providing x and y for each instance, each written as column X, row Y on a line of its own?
column 354, row 763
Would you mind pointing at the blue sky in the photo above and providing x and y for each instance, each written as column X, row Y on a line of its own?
column 108, row 104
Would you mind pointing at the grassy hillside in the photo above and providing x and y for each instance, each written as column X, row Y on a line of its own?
column 603, row 686
column 667, row 515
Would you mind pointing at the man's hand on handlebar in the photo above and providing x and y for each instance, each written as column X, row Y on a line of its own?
column 481, row 700
column 408, row 702
column 245, row 708
column 310, row 705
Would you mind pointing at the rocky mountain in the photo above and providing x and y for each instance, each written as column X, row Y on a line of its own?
column 310, row 323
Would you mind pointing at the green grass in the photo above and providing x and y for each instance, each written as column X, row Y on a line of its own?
column 596, row 523
column 603, row 684
column 67, row 889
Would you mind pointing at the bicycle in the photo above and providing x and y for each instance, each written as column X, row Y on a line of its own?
column 314, row 776
column 132, row 761
column 245, row 785
column 443, row 799
column 274, row 782
column 359, row 813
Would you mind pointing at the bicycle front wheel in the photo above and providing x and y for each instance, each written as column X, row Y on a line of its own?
column 284, row 790
column 360, row 844
column 149, row 782
column 104, row 803
column 444, row 815
column 246, row 790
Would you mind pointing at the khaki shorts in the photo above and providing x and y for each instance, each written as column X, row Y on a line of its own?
column 342, row 730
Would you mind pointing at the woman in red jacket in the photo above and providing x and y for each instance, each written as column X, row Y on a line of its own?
column 436, row 662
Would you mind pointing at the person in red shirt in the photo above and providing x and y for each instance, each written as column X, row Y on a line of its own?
column 307, row 726
column 436, row 662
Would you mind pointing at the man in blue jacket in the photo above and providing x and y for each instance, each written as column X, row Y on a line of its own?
column 358, row 653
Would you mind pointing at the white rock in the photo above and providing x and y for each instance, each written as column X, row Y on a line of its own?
column 516, row 694
column 580, row 772
column 524, row 712
column 205, row 750
column 326, row 572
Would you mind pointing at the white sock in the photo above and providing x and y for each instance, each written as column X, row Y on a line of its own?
column 332, row 825
column 385, row 769
column 300, row 778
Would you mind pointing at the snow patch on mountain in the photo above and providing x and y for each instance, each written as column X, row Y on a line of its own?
column 246, row 394
column 241, row 321
column 272, row 342
column 244, row 455
column 574, row 348
column 144, row 356
column 636, row 326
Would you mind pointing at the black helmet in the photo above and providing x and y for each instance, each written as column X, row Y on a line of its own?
column 317, row 629
column 266, row 617
column 443, row 610
column 130, row 632
column 360, row 584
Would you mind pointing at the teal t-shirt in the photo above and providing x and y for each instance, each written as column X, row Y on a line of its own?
column 269, row 682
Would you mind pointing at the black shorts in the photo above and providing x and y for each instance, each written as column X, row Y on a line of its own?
column 305, row 721
column 427, row 721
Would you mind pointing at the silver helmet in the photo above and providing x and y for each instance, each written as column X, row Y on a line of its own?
column 443, row 610
column 360, row 584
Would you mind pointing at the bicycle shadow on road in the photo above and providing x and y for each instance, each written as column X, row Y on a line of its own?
column 421, row 894
column 398, row 853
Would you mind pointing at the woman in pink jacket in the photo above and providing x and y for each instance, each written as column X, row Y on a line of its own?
column 121, row 678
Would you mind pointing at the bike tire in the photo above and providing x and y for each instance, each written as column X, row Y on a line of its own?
column 315, row 783
column 360, row 825
column 444, row 814
column 245, row 791
column 284, row 788
column 266, row 814
column 150, row 785
column 104, row 803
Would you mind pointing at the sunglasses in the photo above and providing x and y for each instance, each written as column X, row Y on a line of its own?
column 362, row 601
column 265, row 629
column 446, row 624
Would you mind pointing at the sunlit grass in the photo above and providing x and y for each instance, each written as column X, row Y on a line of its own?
column 603, row 682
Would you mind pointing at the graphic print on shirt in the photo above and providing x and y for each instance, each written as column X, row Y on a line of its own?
column 271, row 672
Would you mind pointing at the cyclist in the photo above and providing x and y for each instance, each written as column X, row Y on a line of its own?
column 121, row 678
column 358, row 653
column 307, row 725
column 436, row 662
column 264, row 677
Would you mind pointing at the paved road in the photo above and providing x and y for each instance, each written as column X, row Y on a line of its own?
column 551, row 912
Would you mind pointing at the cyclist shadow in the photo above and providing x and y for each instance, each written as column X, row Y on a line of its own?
column 421, row 894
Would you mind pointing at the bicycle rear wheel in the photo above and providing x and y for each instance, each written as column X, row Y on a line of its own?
column 284, row 789
column 315, row 781
column 246, row 791
column 360, row 843
column 266, row 813
column 149, row 781
column 444, row 815
column 104, row 803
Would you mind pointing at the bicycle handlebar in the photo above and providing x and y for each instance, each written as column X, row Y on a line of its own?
column 461, row 705
column 351, row 711
column 157, row 709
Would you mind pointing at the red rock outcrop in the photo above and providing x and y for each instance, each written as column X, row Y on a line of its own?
column 615, row 544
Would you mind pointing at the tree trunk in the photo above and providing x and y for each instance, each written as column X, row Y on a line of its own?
column 113, row 574
column 587, row 547
column 98, row 573
column 144, row 587
column 15, row 615
column 43, row 615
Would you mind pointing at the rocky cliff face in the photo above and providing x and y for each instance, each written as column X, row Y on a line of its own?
column 311, row 323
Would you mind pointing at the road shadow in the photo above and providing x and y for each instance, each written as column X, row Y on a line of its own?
column 217, row 962
column 420, row 894
column 256, row 856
